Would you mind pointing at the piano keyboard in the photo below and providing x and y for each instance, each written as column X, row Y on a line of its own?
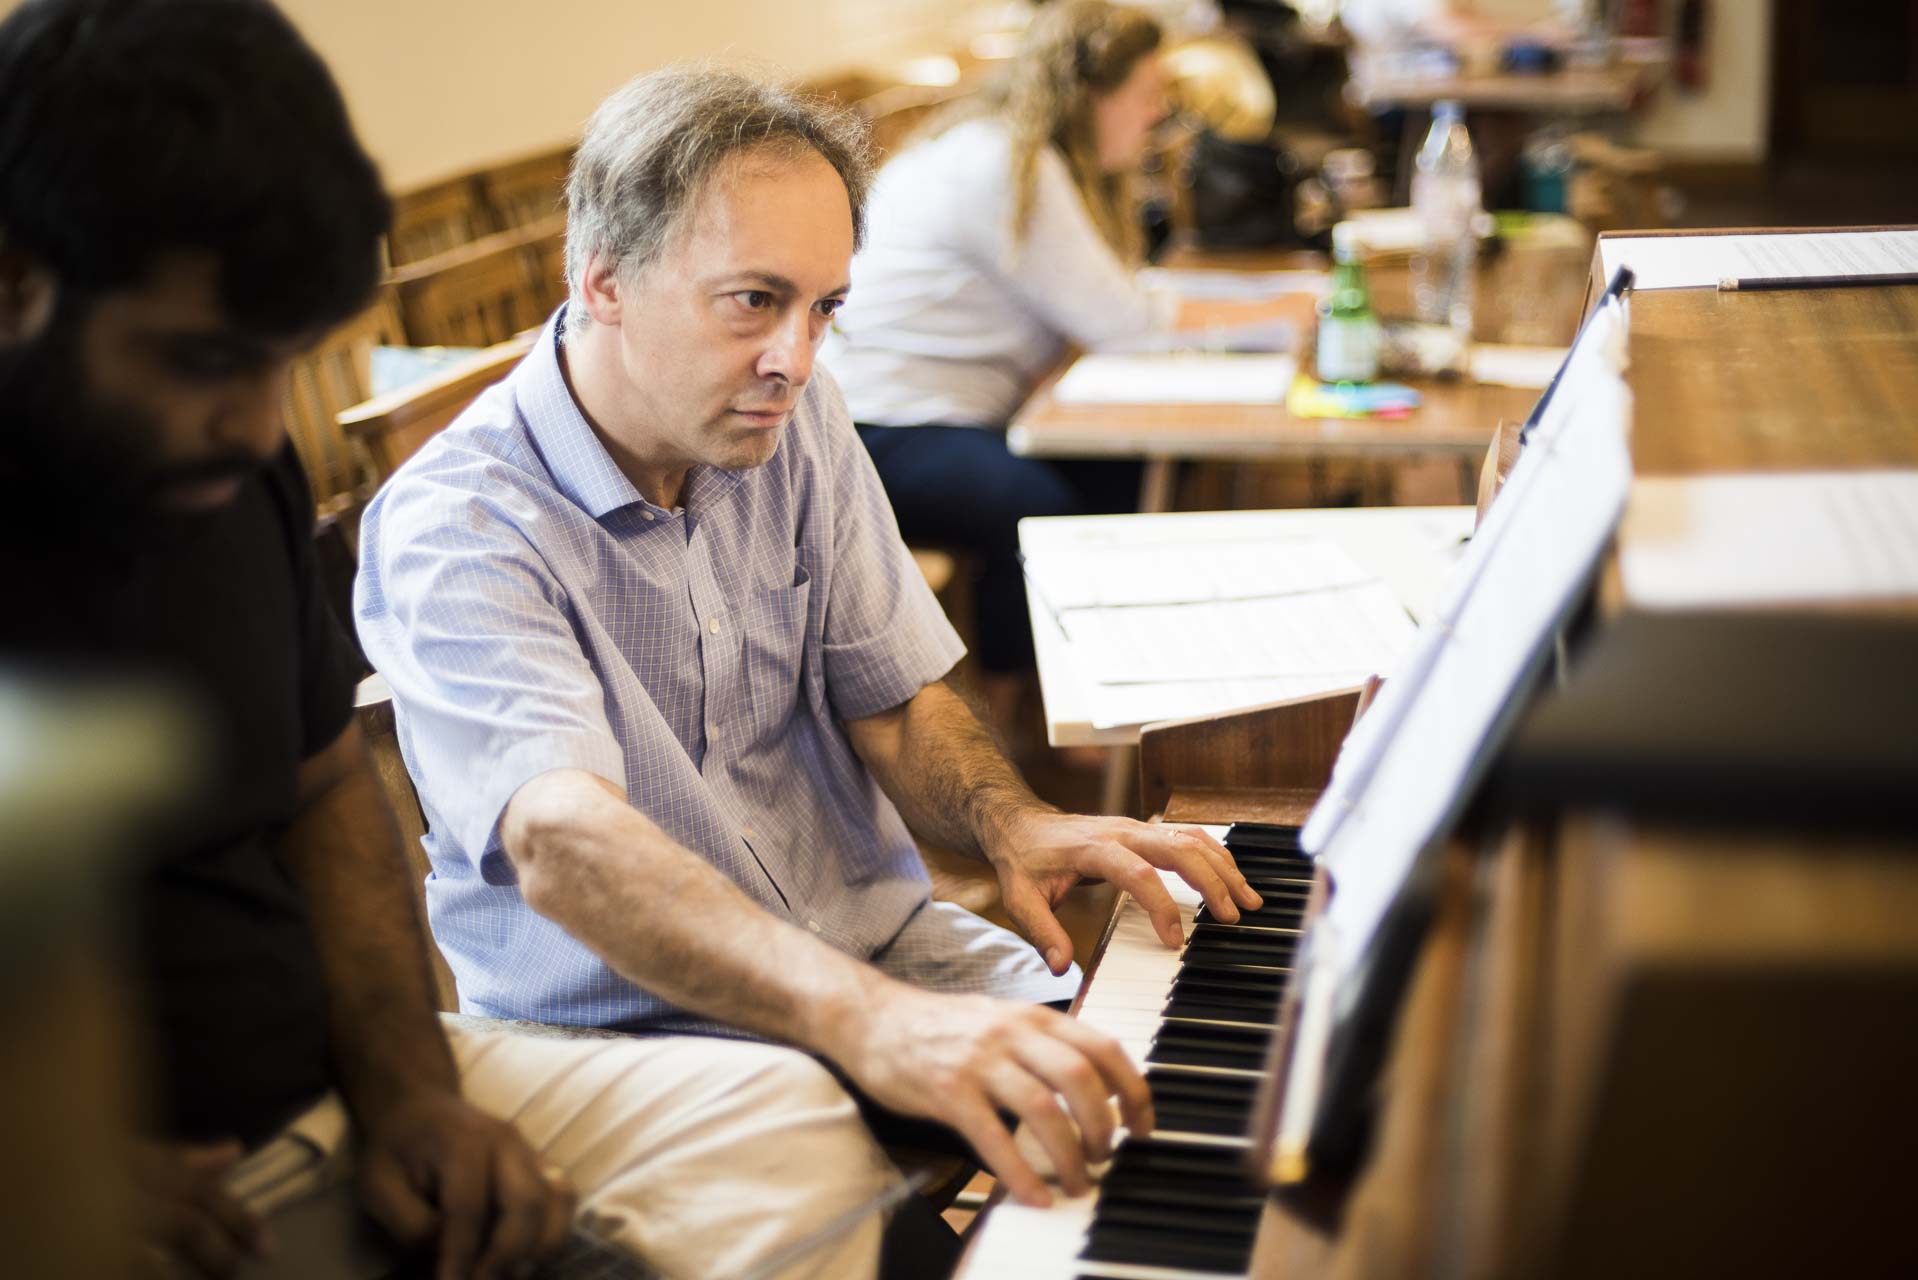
column 1175, row 1205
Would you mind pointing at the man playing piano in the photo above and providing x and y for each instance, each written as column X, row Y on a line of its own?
column 673, row 693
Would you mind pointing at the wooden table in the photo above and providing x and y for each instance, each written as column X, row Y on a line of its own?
column 1608, row 91
column 1598, row 89
column 1455, row 418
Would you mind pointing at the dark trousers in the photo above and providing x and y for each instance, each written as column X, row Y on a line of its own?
column 961, row 488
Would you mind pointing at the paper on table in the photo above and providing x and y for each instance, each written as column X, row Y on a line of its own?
column 1512, row 366
column 1344, row 632
column 1176, row 379
column 1236, row 286
column 1804, row 537
column 1113, row 706
column 1700, row 262
column 1090, row 574
column 1397, row 230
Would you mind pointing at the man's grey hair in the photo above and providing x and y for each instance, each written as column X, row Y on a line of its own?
column 650, row 148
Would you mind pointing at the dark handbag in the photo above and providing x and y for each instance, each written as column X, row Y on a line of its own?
column 1243, row 193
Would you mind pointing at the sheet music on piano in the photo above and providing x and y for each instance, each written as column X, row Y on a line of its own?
column 1410, row 765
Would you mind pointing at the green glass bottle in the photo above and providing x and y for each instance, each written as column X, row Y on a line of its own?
column 1348, row 348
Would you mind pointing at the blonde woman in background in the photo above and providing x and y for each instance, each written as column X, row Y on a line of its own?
column 1006, row 233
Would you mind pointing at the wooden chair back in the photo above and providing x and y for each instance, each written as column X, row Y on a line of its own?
column 435, row 219
column 392, row 427
column 524, row 192
column 483, row 293
column 373, row 703
column 334, row 375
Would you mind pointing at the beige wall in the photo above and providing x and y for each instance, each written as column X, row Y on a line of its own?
column 438, row 86
column 1730, row 119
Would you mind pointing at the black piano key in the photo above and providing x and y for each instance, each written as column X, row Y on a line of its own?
column 1274, row 951
column 1144, row 1156
column 1271, row 889
column 1279, row 888
column 1221, row 1034
column 1197, row 1011
column 1266, row 1016
column 1196, row 1104
column 1216, row 1121
column 1146, row 1211
column 1239, row 935
column 1200, row 977
column 1269, row 884
column 1151, row 1199
column 1194, row 1044
column 1274, row 906
column 1230, row 937
column 1266, row 864
column 1166, row 1246
column 1261, row 835
column 1289, row 864
column 1269, row 918
column 1180, row 1087
column 1172, row 1193
column 1254, row 931
column 1207, row 983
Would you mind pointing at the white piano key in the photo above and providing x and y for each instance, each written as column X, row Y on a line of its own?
column 1125, row 998
column 1018, row 1242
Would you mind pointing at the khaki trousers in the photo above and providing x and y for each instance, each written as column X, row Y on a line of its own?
column 703, row 1156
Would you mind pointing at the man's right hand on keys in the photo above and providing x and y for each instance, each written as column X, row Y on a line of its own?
column 963, row 1060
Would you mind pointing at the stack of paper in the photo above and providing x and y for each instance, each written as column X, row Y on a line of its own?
column 1236, row 286
column 1088, row 575
column 1106, row 378
column 1195, row 627
column 1700, row 262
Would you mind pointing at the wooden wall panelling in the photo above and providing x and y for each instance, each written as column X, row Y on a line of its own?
column 521, row 193
column 434, row 219
column 479, row 294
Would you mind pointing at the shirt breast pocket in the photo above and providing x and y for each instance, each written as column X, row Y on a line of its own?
column 773, row 657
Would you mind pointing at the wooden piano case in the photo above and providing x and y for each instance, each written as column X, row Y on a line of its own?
column 1639, row 1040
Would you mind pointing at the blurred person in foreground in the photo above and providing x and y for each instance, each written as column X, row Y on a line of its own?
column 653, row 582
column 1008, row 234
column 183, row 210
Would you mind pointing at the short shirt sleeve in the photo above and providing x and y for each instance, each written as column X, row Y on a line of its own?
column 886, row 637
column 461, row 616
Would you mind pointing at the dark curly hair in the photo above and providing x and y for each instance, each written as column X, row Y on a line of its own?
column 129, row 128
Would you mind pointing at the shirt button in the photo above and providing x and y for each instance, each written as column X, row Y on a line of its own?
column 749, row 833
column 712, row 625
column 648, row 516
column 814, row 926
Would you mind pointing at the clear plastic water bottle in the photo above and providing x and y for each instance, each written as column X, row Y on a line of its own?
column 1446, row 197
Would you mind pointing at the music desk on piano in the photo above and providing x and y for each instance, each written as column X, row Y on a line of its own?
column 1646, row 1033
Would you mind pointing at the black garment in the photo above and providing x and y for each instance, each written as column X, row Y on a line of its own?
column 960, row 487
column 225, row 606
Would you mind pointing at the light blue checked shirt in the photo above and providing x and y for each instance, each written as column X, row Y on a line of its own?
column 532, row 611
